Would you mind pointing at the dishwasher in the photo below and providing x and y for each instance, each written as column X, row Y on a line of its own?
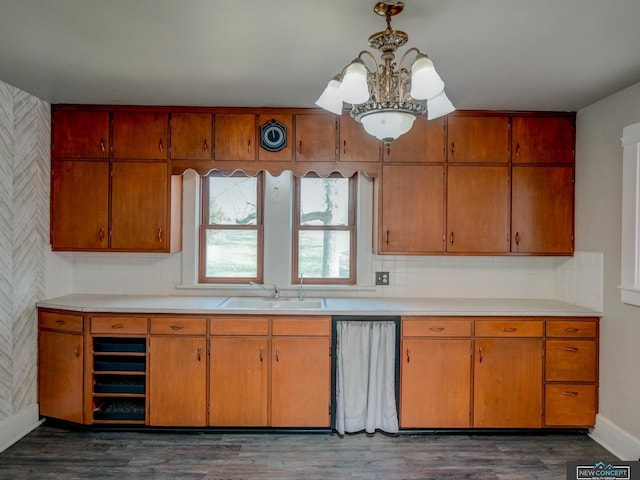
column 366, row 372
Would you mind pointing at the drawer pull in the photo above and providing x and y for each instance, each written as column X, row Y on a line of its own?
column 60, row 322
column 160, row 145
column 570, row 394
column 177, row 327
column 571, row 330
column 570, row 349
column 480, row 354
column 277, row 354
column 76, row 349
column 509, row 329
column 437, row 329
column 261, row 357
column 119, row 325
column 408, row 356
column 205, row 147
column 199, row 353
column 102, row 148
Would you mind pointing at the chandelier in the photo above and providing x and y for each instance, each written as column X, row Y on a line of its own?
column 386, row 100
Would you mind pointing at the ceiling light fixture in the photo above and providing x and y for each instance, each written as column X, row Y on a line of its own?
column 386, row 100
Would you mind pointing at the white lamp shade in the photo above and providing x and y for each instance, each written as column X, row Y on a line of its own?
column 387, row 125
column 439, row 106
column 425, row 81
column 354, row 88
column 331, row 99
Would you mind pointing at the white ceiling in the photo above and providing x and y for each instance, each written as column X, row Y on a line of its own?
column 492, row 54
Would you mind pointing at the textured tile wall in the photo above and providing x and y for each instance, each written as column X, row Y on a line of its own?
column 24, row 220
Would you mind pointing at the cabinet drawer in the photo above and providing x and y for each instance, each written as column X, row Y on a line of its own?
column 239, row 326
column 178, row 326
column 509, row 328
column 570, row 405
column 302, row 326
column 435, row 327
column 571, row 328
column 571, row 360
column 130, row 325
column 60, row 321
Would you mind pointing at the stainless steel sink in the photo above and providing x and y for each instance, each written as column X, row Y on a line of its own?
column 263, row 303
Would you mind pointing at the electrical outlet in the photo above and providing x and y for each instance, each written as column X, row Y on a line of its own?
column 382, row 278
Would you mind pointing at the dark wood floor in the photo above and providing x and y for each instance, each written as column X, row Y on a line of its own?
column 54, row 453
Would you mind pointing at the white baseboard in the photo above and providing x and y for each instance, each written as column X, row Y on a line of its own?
column 619, row 442
column 17, row 426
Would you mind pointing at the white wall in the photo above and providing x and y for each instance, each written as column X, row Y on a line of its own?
column 598, row 226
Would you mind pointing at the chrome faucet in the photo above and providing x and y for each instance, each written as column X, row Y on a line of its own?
column 275, row 293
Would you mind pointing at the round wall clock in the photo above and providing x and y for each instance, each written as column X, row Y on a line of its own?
column 273, row 136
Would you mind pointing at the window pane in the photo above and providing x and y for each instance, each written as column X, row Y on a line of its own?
column 324, row 201
column 324, row 253
column 232, row 253
column 232, row 200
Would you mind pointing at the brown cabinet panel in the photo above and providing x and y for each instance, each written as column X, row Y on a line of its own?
column 191, row 136
column 424, row 143
column 316, row 138
column 239, row 325
column 411, row 209
column 478, row 139
column 286, row 154
column 572, row 328
column 509, row 327
column 178, row 326
column 139, row 206
column 119, row 325
column 570, row 405
column 63, row 322
column 140, row 135
column 178, row 381
column 435, row 327
column 60, row 371
column 80, row 134
column 302, row 326
column 356, row 145
column 238, row 386
column 235, row 136
column 80, row 205
column 571, row 360
column 435, row 388
column 508, row 383
column 542, row 210
column 477, row 209
column 301, row 382
column 543, row 139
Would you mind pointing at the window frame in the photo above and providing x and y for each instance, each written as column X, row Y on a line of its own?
column 297, row 227
column 205, row 227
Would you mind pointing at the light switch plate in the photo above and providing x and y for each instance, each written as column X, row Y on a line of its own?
column 382, row 278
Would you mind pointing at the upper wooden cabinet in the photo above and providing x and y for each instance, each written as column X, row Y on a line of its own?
column 356, row 145
column 424, row 143
column 140, row 135
column 543, row 139
column 478, row 139
column 191, row 135
column 411, row 209
column 272, row 135
column 80, row 134
column 316, row 138
column 542, row 210
column 235, row 136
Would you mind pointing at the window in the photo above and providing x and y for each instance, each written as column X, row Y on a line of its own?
column 231, row 233
column 324, row 233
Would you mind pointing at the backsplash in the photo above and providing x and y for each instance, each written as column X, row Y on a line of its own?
column 575, row 279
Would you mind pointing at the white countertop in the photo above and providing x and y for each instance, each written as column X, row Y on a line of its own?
column 333, row 306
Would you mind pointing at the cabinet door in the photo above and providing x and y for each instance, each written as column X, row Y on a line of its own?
column 300, row 382
column 427, row 365
column 316, row 138
column 80, row 205
column 411, row 209
column 508, row 383
column 178, row 381
column 140, row 135
column 542, row 210
column 286, row 153
column 238, row 381
column 543, row 139
column 139, row 206
column 424, row 143
column 191, row 136
column 60, row 367
column 356, row 145
column 80, row 134
column 235, row 136
column 478, row 139
column 478, row 209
